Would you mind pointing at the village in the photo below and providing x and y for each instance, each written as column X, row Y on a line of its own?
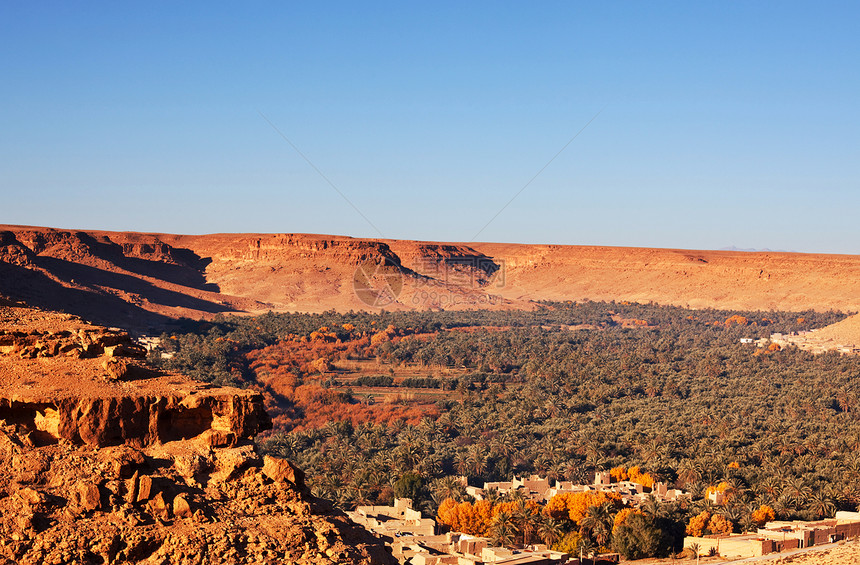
column 416, row 540
column 810, row 340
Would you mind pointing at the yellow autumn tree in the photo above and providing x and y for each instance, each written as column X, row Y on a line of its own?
column 510, row 507
column 446, row 513
column 739, row 320
column 480, row 519
column 719, row 524
column 574, row 505
column 622, row 516
column 640, row 478
column 763, row 515
column 473, row 519
column 698, row 524
column 618, row 473
column 503, row 507
column 722, row 487
column 569, row 543
column 706, row 523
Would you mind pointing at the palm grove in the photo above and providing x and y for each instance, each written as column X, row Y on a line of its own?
column 564, row 391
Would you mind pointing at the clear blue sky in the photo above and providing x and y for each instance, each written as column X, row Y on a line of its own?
column 723, row 123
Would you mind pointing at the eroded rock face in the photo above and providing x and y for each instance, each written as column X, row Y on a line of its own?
column 107, row 461
column 80, row 344
column 63, row 380
column 180, row 502
column 223, row 415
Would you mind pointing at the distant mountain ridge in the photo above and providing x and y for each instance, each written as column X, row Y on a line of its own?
column 148, row 279
column 754, row 250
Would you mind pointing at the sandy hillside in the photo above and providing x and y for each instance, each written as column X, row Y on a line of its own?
column 719, row 279
column 847, row 554
column 845, row 332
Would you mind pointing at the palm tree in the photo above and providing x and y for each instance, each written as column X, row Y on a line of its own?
column 586, row 549
column 359, row 491
column 477, row 460
column 452, row 487
column 734, row 514
column 461, row 463
column 526, row 519
column 848, row 495
column 517, row 495
column 712, row 475
column 704, row 504
column 821, row 504
column 550, row 530
column 503, row 529
column 695, row 548
column 689, row 472
column 737, row 487
column 748, row 524
column 448, row 487
column 796, row 491
column 430, row 428
column 598, row 520
column 493, row 496
column 651, row 506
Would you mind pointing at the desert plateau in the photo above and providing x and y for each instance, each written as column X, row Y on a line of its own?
column 440, row 283
column 168, row 394
column 155, row 277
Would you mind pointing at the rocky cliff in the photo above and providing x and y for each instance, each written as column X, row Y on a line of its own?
column 146, row 280
column 106, row 461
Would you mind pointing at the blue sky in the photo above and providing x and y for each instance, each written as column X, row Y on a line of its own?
column 720, row 123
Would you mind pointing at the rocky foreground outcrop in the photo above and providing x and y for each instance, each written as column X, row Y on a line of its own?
column 134, row 466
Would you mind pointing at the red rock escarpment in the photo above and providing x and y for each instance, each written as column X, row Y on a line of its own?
column 108, row 462
column 83, row 384
column 136, row 278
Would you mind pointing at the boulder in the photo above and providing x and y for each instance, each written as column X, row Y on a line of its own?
column 117, row 369
column 232, row 461
column 145, row 489
column 181, row 508
column 89, row 496
column 281, row 470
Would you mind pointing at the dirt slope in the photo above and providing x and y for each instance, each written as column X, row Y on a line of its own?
column 846, row 332
column 139, row 280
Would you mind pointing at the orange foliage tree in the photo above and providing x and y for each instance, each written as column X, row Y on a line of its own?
column 574, row 505
column 719, row 524
column 618, row 473
column 706, row 523
column 633, row 474
column 723, row 486
column 622, row 516
column 644, row 479
column 739, row 320
column 698, row 524
column 763, row 515
column 473, row 519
